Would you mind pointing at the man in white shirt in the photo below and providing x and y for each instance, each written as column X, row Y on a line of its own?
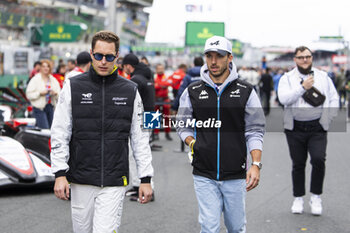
column 306, row 125
column 83, row 65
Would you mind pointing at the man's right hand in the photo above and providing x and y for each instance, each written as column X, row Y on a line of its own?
column 61, row 188
column 308, row 82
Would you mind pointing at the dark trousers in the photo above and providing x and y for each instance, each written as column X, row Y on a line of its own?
column 44, row 117
column 265, row 97
column 307, row 136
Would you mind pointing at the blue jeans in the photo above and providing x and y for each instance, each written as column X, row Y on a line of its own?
column 215, row 197
column 44, row 117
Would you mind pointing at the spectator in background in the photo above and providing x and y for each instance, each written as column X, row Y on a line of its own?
column 265, row 90
column 276, row 79
column 141, row 75
column 121, row 71
column 42, row 92
column 35, row 70
column 347, row 88
column 340, row 82
column 177, row 77
column 60, row 72
column 243, row 73
column 161, row 84
column 144, row 60
column 60, row 61
column 70, row 65
column 83, row 64
column 253, row 78
column 193, row 75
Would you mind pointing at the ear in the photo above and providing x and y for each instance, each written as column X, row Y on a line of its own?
column 230, row 57
column 92, row 57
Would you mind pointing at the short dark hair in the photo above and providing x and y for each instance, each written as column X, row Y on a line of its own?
column 83, row 58
column 198, row 61
column 71, row 61
column 301, row 49
column 182, row 66
column 37, row 63
column 106, row 36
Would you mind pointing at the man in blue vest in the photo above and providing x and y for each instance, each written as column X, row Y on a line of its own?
column 220, row 118
column 98, row 112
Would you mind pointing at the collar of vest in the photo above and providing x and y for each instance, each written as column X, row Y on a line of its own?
column 98, row 78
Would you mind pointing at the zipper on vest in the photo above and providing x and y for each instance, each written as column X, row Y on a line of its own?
column 218, row 94
column 103, row 130
column 218, row 146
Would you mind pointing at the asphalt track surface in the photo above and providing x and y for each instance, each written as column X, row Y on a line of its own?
column 36, row 210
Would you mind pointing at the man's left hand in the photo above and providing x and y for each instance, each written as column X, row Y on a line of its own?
column 253, row 177
column 145, row 193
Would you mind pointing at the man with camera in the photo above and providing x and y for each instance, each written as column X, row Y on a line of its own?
column 310, row 103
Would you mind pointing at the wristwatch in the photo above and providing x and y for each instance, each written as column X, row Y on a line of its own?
column 258, row 164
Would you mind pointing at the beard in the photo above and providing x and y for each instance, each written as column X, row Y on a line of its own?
column 219, row 74
column 304, row 71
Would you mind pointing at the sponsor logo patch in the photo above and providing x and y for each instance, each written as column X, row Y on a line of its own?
column 204, row 95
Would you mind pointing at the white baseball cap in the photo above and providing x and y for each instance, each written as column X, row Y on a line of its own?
column 218, row 44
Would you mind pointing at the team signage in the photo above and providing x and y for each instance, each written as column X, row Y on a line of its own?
column 198, row 32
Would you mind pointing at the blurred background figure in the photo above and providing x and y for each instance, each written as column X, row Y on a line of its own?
column 83, row 64
column 266, row 86
column 347, row 88
column 144, row 60
column 35, row 70
column 177, row 77
column 193, row 75
column 252, row 77
column 243, row 73
column 70, row 65
column 161, row 84
column 121, row 70
column 276, row 79
column 340, row 82
column 60, row 72
column 42, row 92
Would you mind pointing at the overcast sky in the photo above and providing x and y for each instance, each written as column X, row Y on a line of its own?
column 259, row 22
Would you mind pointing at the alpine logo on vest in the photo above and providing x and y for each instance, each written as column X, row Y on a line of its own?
column 203, row 95
column 235, row 93
column 86, row 98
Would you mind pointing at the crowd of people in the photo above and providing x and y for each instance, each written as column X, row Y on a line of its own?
column 121, row 88
column 168, row 88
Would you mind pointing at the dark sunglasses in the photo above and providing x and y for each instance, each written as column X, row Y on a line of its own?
column 99, row 57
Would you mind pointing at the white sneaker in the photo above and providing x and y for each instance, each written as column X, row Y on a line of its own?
column 316, row 205
column 298, row 205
